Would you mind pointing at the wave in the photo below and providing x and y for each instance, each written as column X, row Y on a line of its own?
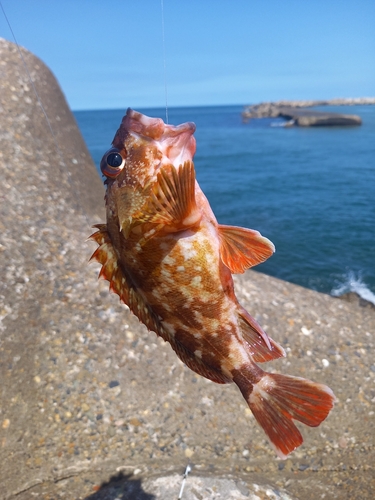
column 284, row 123
column 353, row 282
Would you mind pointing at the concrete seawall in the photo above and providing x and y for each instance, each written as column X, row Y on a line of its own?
column 92, row 406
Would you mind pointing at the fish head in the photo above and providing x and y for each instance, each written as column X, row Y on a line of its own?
column 141, row 146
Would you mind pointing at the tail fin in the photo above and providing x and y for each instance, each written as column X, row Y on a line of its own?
column 278, row 399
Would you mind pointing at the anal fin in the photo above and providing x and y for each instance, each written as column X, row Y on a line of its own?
column 261, row 347
column 243, row 248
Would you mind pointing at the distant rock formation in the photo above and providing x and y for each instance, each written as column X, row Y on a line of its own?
column 291, row 110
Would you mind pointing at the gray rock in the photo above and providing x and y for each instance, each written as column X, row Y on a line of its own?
column 295, row 112
column 195, row 488
column 309, row 118
column 64, row 432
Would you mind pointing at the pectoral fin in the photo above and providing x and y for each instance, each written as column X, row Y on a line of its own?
column 172, row 206
column 243, row 248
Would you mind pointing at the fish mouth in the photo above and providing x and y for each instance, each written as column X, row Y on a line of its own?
column 176, row 143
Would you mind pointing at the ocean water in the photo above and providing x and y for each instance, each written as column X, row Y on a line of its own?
column 309, row 190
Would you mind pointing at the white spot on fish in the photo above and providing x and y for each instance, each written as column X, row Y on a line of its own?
column 169, row 327
column 197, row 335
column 215, row 324
column 165, row 273
column 187, row 249
column 204, row 296
column 211, row 260
column 188, row 300
column 196, row 281
column 198, row 353
column 198, row 316
column 155, row 292
column 237, row 353
column 180, row 268
column 224, row 368
column 169, row 260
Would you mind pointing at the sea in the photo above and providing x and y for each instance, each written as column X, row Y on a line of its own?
column 311, row 191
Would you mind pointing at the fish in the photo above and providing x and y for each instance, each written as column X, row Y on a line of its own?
column 170, row 261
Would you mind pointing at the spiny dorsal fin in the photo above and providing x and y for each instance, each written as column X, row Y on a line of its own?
column 172, row 202
column 242, row 248
column 121, row 284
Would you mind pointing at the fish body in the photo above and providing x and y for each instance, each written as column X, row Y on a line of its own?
column 166, row 256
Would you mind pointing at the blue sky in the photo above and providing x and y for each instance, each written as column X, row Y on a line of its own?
column 109, row 54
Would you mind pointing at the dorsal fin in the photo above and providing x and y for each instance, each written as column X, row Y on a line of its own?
column 242, row 248
column 121, row 284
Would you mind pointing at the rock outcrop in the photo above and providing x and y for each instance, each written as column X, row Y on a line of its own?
column 296, row 114
column 92, row 405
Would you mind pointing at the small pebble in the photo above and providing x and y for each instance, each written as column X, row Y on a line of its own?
column 189, row 453
column 6, row 423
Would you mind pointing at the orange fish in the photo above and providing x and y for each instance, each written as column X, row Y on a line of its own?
column 166, row 256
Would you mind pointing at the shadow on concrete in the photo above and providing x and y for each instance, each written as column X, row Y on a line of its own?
column 121, row 487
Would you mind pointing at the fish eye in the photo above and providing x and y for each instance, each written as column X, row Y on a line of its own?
column 112, row 163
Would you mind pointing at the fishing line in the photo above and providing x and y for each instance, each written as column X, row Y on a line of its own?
column 184, row 477
column 164, row 60
column 60, row 153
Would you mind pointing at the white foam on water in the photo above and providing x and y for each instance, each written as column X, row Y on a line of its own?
column 352, row 282
column 283, row 123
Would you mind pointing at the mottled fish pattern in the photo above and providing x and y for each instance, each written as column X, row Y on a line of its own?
column 166, row 256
